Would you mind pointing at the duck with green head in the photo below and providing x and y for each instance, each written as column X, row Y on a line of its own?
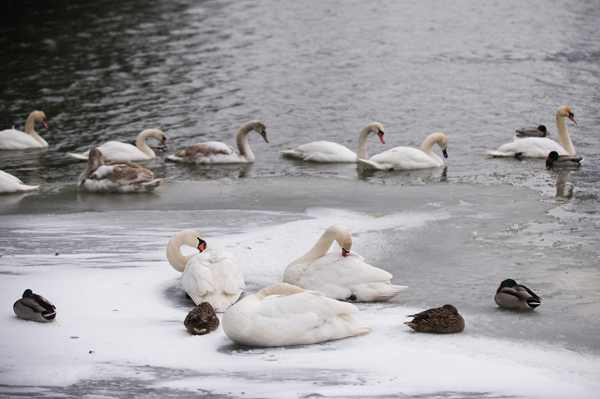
column 511, row 295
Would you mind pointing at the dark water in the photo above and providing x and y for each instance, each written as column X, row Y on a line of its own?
column 198, row 70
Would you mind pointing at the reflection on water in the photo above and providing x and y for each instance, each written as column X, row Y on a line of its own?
column 413, row 176
column 564, row 191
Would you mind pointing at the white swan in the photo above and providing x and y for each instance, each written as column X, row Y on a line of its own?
column 11, row 184
column 115, row 176
column 210, row 276
column 218, row 152
column 12, row 139
column 340, row 275
column 540, row 147
column 400, row 158
column 117, row 151
column 327, row 151
column 283, row 314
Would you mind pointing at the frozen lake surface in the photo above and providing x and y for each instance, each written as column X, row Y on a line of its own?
column 309, row 71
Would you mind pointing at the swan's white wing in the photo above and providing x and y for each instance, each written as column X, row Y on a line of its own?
column 117, row 151
column 12, row 139
column 213, row 276
column 341, row 277
column 303, row 318
column 532, row 147
column 321, row 151
column 405, row 158
column 11, row 184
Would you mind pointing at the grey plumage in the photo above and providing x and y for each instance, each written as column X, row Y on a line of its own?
column 511, row 295
column 539, row 131
column 555, row 160
column 34, row 307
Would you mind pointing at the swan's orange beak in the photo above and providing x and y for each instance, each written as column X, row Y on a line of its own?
column 380, row 134
column 201, row 245
column 164, row 142
column 45, row 125
column 345, row 253
column 572, row 117
column 264, row 136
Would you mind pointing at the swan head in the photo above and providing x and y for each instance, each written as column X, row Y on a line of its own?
column 40, row 117
column 258, row 127
column 377, row 128
column 156, row 134
column 442, row 141
column 342, row 237
column 566, row 112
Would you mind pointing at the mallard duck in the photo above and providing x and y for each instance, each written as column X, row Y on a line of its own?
column 202, row 320
column 511, row 295
column 218, row 152
column 444, row 320
column 539, row 131
column 34, row 307
column 555, row 160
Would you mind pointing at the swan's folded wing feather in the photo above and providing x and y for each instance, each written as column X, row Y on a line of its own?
column 344, row 271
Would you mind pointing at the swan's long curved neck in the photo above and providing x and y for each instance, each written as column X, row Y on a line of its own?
column 94, row 162
column 361, row 151
column 174, row 255
column 427, row 145
column 242, row 142
column 141, row 144
column 30, row 129
column 563, row 135
column 295, row 270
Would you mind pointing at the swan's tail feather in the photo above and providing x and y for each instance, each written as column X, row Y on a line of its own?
column 291, row 154
column 369, row 164
column 390, row 292
column 77, row 156
column 25, row 187
column 151, row 185
column 500, row 154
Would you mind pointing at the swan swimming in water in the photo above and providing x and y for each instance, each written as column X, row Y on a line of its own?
column 118, row 151
column 115, row 176
column 327, row 151
column 340, row 275
column 12, row 184
column 217, row 152
column 401, row 158
column 540, row 147
column 284, row 314
column 12, row 139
